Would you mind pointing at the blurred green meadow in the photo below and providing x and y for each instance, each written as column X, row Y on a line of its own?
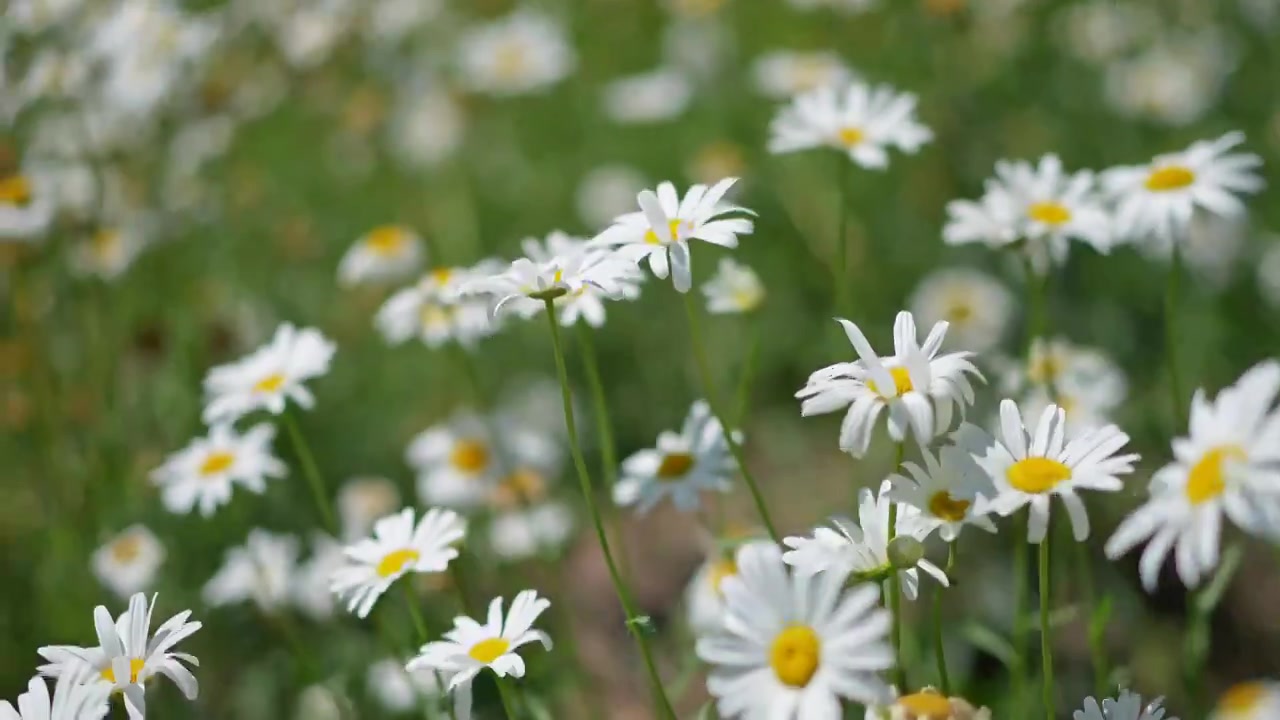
column 102, row 376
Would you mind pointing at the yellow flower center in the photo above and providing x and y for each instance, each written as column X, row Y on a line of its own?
column 1049, row 213
column 386, row 240
column 217, row 462
column 104, row 242
column 126, row 549
column 395, row 561
column 673, row 228
column 135, row 667
column 1044, row 368
column 795, row 655
column 850, row 136
column 959, row 310
column 1037, row 475
column 901, row 383
column 1206, row 480
column 926, row 705
column 442, row 275
column 522, row 487
column 470, row 456
column 944, row 506
column 509, row 61
column 1170, row 177
column 15, row 190
column 675, row 466
column 269, row 384
column 434, row 316
column 721, row 570
column 486, row 651
column 1242, row 698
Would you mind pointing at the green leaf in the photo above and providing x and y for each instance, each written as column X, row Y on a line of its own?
column 708, row 711
column 1101, row 616
column 537, row 708
column 991, row 642
column 642, row 624
column 1209, row 598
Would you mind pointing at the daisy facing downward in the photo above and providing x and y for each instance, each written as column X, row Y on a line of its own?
column 398, row 547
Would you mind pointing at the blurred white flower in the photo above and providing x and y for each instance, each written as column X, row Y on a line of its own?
column 108, row 251
column 261, row 570
column 654, row 96
column 307, row 32
column 976, row 307
column 472, row 646
column 204, row 473
column 26, row 207
column 1227, row 464
column 1128, row 706
column 398, row 546
column 54, row 74
column 426, row 126
column 1255, row 700
column 386, row 252
column 319, row 702
column 949, row 491
column 693, row 9
column 128, row 654
column 783, row 74
column 1041, row 206
column 920, row 388
column 704, row 597
column 681, row 466
column 362, row 500
column 310, row 588
column 1101, row 30
column 36, row 16
column 622, row 281
column 524, row 52
column 1269, row 273
column 1083, row 381
column 72, row 700
column 698, row 49
column 735, row 288
column 606, row 192
column 865, row 121
column 1155, row 202
column 522, row 532
column 845, row 6
column 1175, row 82
column 128, row 562
column 390, row 21
column 432, row 311
column 269, row 377
column 661, row 230
column 525, row 286
column 398, row 690
column 459, row 463
column 1212, row 246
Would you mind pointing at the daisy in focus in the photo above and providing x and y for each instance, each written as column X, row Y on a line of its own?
column 434, row 312
column 864, row 121
column 793, row 645
column 1126, row 707
column 661, row 230
column 862, row 549
column 1257, row 700
column 920, row 388
column 269, row 377
column 1229, row 463
column 71, row 700
column 128, row 563
column 398, row 546
column 681, row 466
column 735, row 288
column 261, row 570
column 471, row 646
column 522, row 53
column 1029, row 466
column 783, row 74
column 1041, row 206
column 203, row 474
column 527, row 285
column 928, row 704
column 949, row 491
column 976, row 307
column 587, row 302
column 1155, row 202
column 386, row 252
column 128, row 654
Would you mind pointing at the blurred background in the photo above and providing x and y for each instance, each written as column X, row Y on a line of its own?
column 200, row 168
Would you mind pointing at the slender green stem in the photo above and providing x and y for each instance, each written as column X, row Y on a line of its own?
column 1097, row 624
column 584, row 480
column 311, row 471
column 420, row 626
column 1171, row 337
column 508, row 695
column 939, row 647
column 704, row 370
column 1046, row 636
column 1201, row 605
column 895, row 594
column 748, row 373
column 842, row 240
column 1021, row 565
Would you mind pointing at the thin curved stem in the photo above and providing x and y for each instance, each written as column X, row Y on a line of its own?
column 939, row 646
column 747, row 375
column 895, row 592
column 1021, row 562
column 1046, row 636
column 311, row 471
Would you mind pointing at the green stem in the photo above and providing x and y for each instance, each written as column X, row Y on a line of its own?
column 1171, row 336
column 508, row 695
column 1201, row 605
column 584, row 480
column 704, row 370
column 424, row 636
column 939, row 647
column 895, row 594
column 1021, row 563
column 748, row 374
column 1097, row 625
column 1046, row 637
column 311, row 471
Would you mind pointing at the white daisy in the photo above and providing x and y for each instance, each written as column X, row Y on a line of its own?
column 471, row 647
column 310, row 585
column 269, row 377
column 34, row 16
column 1041, row 206
column 397, row 547
column 1257, row 700
column 1126, row 707
column 26, row 207
column 976, row 307
column 362, row 500
column 586, row 303
column 71, row 700
column 128, row 655
column 128, row 562
column 1155, row 201
column 862, row 547
column 865, row 121
column 735, row 288
column 783, row 74
column 1083, row 381
column 457, row 462
column 1030, row 466
column 1176, row 81
column 432, row 310
column 606, row 192
column 427, row 124
column 920, row 388
column 261, row 570
column 681, row 466
column 794, row 645
column 526, row 284
column 523, row 532
column 928, row 704
column 522, row 53
column 661, row 230
column 949, row 491
column 386, row 252
column 650, row 97
column 108, row 252
column 398, row 690
column 1229, row 463
column 204, row 473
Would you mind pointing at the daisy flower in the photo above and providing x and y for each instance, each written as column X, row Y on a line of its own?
column 947, row 490
column 521, row 533
column 919, row 387
column 864, row 121
column 108, row 252
column 204, row 473
column 269, row 377
column 433, row 311
column 1258, row 700
column 681, row 466
column 976, row 307
column 735, row 288
column 1087, row 384
column 1155, row 201
column 471, row 646
column 793, row 645
column 928, row 704
column 128, row 655
column 1227, row 464
column 587, row 302
column 397, row 547
column 862, row 547
column 783, row 74
column 400, row 691
column 661, row 230
column 310, row 585
column 457, row 462
column 1042, row 206
column 362, row 500
column 522, row 53
column 128, row 562
column 1126, row 707
column 386, row 252
column 650, row 97
column 1031, row 465
column 704, row 597
column 526, row 284
column 26, row 208
column 261, row 570
column 71, row 701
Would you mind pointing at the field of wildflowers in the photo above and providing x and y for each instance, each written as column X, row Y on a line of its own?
column 621, row 359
